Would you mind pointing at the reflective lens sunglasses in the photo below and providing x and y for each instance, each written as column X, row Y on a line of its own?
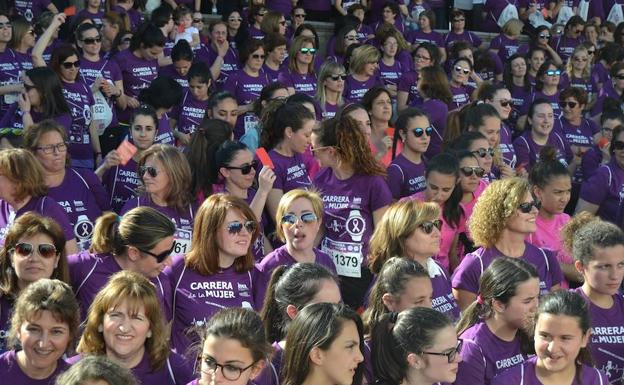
column 236, row 227
column 459, row 69
column 337, row 77
column 483, row 152
column 553, row 72
column 469, row 171
column 159, row 257
column 311, row 51
column 68, row 64
column 526, row 207
column 568, row 104
column 543, row 36
column 244, row 169
column 305, row 218
column 451, row 355
column 148, row 169
column 92, row 40
column 46, row 250
column 617, row 145
column 418, row 132
column 428, row 226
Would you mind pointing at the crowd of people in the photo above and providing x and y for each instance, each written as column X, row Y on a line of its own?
column 416, row 203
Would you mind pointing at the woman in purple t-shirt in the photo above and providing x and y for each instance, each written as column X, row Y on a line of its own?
column 331, row 82
column 363, row 73
column 562, row 335
column 461, row 71
column 218, row 271
column 126, row 323
column 415, row 344
column 33, row 250
column 300, row 76
column 499, row 97
column 163, row 93
column 578, row 73
column 45, row 319
column 494, row 326
column 598, row 250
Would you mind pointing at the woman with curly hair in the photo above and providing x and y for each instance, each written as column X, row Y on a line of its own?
column 502, row 218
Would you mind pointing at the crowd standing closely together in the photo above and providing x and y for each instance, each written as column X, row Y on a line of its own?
column 434, row 197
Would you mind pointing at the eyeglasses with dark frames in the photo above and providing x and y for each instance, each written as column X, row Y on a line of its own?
column 452, row 354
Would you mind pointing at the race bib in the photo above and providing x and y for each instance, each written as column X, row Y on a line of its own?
column 347, row 257
column 182, row 241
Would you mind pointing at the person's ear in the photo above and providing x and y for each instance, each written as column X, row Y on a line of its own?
column 388, row 301
column 288, row 132
column 133, row 253
column 316, row 356
column 416, row 361
column 498, row 306
column 578, row 265
column 291, row 310
column 258, row 368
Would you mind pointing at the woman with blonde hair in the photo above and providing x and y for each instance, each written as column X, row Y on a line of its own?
column 44, row 324
column 363, row 73
column 33, row 250
column 218, row 271
column 502, row 219
column 331, row 82
column 578, row 73
column 23, row 190
column 300, row 76
column 125, row 323
column 166, row 186
column 141, row 241
column 411, row 229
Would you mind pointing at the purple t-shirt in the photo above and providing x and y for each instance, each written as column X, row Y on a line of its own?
column 590, row 85
column 84, row 199
column 606, row 189
column 581, row 136
column 290, row 171
column 390, row 74
column 468, row 36
column 79, row 100
column 282, row 6
column 31, row 9
column 348, row 219
column 196, row 298
column 484, row 355
column 271, row 374
column 327, row 111
column 527, row 151
column 165, row 133
column 525, row 374
column 305, row 84
column 137, row 74
column 95, row 17
column 461, row 96
column 121, row 183
column 9, row 74
column 590, row 162
column 405, row 177
column 88, row 273
column 183, row 220
column 171, row 72
column 44, row 205
column 11, row 373
column 208, row 55
column 506, row 47
column 432, row 37
column 6, row 307
column 564, row 46
column 354, row 90
column 553, row 99
column 246, row 89
column 442, row 298
column 438, row 112
column 136, row 18
column 607, row 339
column 467, row 275
column 408, row 83
column 599, row 73
column 190, row 113
column 271, row 73
column 281, row 257
column 607, row 91
column 506, row 148
column 103, row 68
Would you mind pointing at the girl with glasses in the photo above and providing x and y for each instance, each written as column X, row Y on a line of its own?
column 600, row 193
column 458, row 31
column 612, row 88
column 415, row 347
column 578, row 72
column 126, row 324
column 479, row 146
column 345, row 37
column 218, row 271
column 273, row 23
column 33, row 250
column 79, row 191
column 573, row 36
column 496, row 326
column 237, row 30
column 22, row 41
column 411, row 229
column 299, row 219
column 503, row 217
column 291, row 288
column 562, row 340
column 233, row 348
column 141, row 241
column 45, row 319
column 499, row 97
column 597, row 248
column 299, row 76
column 461, row 70
column 329, row 90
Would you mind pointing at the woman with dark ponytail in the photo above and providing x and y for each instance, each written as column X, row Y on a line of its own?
column 418, row 346
column 562, row 332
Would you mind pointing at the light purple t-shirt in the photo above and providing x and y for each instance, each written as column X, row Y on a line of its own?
column 349, row 205
column 84, row 199
column 31, row 9
column 9, row 74
column 137, row 74
column 468, row 273
column 484, row 355
column 506, row 47
column 525, row 374
column 354, row 90
column 103, row 68
column 408, row 83
column 390, row 74
column 305, row 84
column 6, row 307
column 461, row 96
column 121, row 183
column 606, row 189
column 79, row 99
column 11, row 373
column 88, row 273
column 171, row 72
column 527, row 151
column 208, row 55
column 290, row 171
column 468, row 36
column 165, row 133
column 607, row 339
column 196, row 298
column 432, row 37
column 506, row 148
column 190, row 113
column 405, row 177
column 438, row 112
column 44, row 206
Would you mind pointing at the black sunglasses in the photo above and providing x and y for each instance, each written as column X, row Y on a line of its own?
column 568, row 104
column 159, row 257
column 468, row 171
column 526, row 207
column 200, row 20
column 236, row 227
column 46, row 250
column 92, row 40
column 148, row 169
column 257, row 56
column 619, row 77
column 483, row 152
column 418, row 132
column 306, row 218
column 337, row 77
column 246, row 168
column 617, row 145
column 505, row 103
column 428, row 226
column 68, row 64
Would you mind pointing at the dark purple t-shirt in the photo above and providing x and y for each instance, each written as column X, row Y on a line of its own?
column 290, row 171
column 31, row 9
column 506, row 47
column 103, row 68
column 190, row 113
column 525, row 374
column 354, row 90
column 208, row 55
column 408, row 83
column 171, row 72
column 165, row 133
column 305, row 84
column 606, row 190
column 6, row 307
column 564, row 46
column 438, row 112
column 11, row 373
column 527, row 151
column 405, row 177
column 121, row 183
column 79, row 100
column 9, row 74
column 137, row 74
column 95, row 17
column 468, row 36
column 432, row 37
